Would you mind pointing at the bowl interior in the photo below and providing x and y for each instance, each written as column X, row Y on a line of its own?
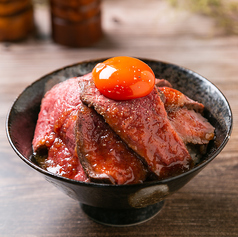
column 23, row 115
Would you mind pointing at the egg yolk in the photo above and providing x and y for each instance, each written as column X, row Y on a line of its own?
column 123, row 78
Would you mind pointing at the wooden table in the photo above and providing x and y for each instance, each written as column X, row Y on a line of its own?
column 206, row 206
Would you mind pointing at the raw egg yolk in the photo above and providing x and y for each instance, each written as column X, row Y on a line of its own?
column 123, row 78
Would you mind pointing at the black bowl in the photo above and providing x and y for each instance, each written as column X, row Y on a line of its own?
column 120, row 204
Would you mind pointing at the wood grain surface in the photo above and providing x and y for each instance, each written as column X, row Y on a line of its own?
column 206, row 206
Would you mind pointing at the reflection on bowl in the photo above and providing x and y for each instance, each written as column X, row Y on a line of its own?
column 120, row 204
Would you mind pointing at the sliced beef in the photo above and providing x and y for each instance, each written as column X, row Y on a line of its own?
column 175, row 99
column 55, row 130
column 104, row 156
column 118, row 142
column 192, row 127
column 56, row 107
column 184, row 115
column 143, row 125
column 62, row 162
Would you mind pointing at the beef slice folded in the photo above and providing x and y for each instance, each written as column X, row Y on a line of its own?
column 143, row 125
column 104, row 156
column 185, row 115
column 55, row 130
column 174, row 99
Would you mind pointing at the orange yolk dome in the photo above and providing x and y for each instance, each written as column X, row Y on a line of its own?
column 123, row 78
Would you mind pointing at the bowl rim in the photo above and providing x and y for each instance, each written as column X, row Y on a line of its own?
column 200, row 166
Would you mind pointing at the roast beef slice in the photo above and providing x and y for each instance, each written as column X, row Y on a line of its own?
column 143, row 125
column 185, row 116
column 55, row 130
column 104, row 156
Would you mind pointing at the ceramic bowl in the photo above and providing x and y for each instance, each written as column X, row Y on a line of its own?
column 120, row 204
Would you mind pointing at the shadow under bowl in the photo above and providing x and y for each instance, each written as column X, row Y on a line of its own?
column 120, row 204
